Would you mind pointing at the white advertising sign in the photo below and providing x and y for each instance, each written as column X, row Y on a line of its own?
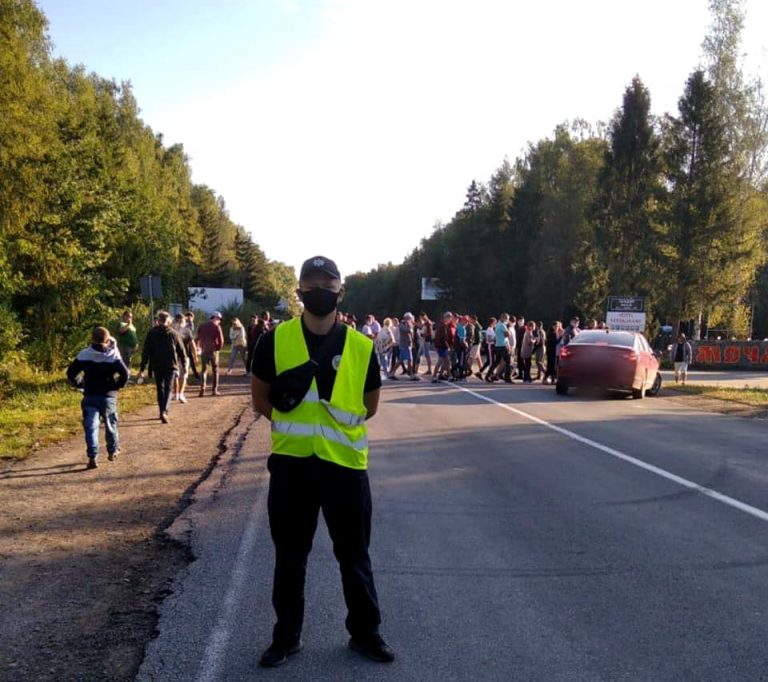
column 431, row 289
column 209, row 299
column 626, row 321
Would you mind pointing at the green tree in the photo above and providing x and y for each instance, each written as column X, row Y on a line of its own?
column 27, row 131
column 629, row 222
column 715, row 251
column 562, row 271
column 739, row 101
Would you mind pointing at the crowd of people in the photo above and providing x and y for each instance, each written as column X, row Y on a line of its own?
column 505, row 348
column 174, row 353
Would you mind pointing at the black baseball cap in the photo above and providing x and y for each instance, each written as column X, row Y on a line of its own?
column 319, row 264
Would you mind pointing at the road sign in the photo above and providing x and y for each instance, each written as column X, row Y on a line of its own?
column 626, row 304
column 151, row 287
column 626, row 313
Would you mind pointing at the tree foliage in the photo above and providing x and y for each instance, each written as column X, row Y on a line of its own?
column 91, row 200
column 674, row 209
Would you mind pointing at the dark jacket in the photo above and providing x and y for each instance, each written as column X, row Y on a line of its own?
column 102, row 369
column 163, row 350
column 687, row 351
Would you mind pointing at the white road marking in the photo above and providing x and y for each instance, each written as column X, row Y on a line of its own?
column 709, row 492
column 218, row 640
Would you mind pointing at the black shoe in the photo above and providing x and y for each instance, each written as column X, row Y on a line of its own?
column 164, row 417
column 91, row 463
column 277, row 655
column 374, row 647
column 112, row 456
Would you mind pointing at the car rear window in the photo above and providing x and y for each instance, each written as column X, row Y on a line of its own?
column 605, row 338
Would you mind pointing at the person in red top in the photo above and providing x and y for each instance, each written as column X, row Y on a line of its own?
column 445, row 338
column 210, row 338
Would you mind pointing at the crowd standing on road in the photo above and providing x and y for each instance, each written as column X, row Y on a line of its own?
column 506, row 349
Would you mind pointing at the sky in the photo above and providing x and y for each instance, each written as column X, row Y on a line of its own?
column 349, row 128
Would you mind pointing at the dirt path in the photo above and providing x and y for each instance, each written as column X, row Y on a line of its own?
column 83, row 560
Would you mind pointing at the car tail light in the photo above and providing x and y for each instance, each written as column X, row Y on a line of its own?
column 565, row 352
column 631, row 356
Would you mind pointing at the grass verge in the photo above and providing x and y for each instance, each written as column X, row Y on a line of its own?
column 751, row 397
column 41, row 409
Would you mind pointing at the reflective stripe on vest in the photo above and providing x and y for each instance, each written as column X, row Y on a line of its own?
column 295, row 429
column 333, row 429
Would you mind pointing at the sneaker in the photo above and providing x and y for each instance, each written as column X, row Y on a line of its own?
column 164, row 417
column 182, row 398
column 112, row 456
column 415, row 378
column 91, row 463
column 277, row 655
column 374, row 647
column 394, row 378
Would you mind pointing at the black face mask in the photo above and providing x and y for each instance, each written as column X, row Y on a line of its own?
column 320, row 302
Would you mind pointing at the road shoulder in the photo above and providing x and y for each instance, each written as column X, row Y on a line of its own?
column 85, row 559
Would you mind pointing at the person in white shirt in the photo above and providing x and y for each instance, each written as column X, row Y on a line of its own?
column 385, row 341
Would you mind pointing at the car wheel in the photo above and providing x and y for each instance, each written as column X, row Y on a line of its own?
column 639, row 393
column 561, row 387
column 654, row 390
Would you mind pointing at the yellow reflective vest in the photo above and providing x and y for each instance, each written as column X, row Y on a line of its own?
column 334, row 429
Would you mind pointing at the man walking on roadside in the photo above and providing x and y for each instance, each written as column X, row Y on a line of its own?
column 101, row 373
column 681, row 355
column 165, row 354
column 318, row 381
column 127, row 340
column 210, row 337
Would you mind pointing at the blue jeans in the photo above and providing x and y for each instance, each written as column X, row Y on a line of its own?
column 95, row 406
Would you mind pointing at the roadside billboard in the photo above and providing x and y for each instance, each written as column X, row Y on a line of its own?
column 626, row 313
column 209, row 299
column 431, row 289
column 730, row 354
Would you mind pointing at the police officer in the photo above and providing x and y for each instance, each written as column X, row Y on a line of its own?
column 318, row 381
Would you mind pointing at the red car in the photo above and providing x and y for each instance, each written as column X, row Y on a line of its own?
column 610, row 360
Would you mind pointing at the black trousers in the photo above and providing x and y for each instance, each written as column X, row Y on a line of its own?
column 502, row 354
column 299, row 488
column 164, row 384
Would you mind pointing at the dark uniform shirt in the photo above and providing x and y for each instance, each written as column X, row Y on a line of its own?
column 263, row 366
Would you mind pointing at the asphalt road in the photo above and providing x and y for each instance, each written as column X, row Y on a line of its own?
column 518, row 535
